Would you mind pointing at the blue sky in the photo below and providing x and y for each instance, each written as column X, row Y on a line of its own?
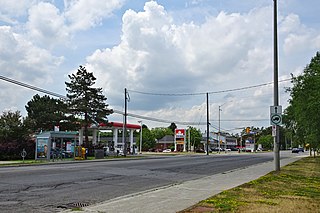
column 164, row 46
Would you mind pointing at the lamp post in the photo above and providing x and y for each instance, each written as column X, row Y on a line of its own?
column 219, row 129
column 275, row 87
column 140, row 149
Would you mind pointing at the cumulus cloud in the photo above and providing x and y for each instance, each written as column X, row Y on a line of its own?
column 12, row 9
column 34, row 30
column 21, row 59
column 83, row 14
column 46, row 25
column 157, row 55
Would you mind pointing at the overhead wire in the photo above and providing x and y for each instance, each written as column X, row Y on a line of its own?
column 204, row 93
column 131, row 114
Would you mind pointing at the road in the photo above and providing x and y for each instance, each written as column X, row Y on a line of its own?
column 54, row 187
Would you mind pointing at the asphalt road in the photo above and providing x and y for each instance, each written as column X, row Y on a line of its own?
column 54, row 187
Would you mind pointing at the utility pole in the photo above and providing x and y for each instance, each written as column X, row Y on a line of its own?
column 275, row 87
column 189, row 148
column 207, row 123
column 125, row 123
column 219, row 131
column 140, row 137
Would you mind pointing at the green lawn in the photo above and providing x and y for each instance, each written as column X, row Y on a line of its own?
column 296, row 188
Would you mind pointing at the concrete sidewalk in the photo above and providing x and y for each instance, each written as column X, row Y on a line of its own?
column 178, row 197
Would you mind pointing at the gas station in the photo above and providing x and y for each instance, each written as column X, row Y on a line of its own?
column 69, row 142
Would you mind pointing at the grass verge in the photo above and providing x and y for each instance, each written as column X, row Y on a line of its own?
column 296, row 188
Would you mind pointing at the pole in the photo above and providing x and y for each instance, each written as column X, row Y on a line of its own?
column 219, row 131
column 189, row 148
column 125, row 123
column 207, row 123
column 275, row 87
column 140, row 137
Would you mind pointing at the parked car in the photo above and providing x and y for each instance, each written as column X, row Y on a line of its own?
column 216, row 149
column 167, row 150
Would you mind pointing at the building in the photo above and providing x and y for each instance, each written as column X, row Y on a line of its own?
column 165, row 143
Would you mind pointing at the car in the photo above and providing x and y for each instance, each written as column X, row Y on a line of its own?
column 297, row 150
column 167, row 150
column 216, row 149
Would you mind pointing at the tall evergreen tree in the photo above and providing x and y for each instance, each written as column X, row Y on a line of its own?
column 86, row 101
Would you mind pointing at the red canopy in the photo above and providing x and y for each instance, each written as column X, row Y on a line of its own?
column 117, row 124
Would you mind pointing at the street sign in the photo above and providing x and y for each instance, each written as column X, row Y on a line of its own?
column 276, row 115
column 23, row 154
column 275, row 109
column 274, row 131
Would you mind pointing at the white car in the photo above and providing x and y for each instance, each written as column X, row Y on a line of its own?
column 167, row 150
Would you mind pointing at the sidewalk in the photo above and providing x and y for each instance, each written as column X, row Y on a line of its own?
column 175, row 198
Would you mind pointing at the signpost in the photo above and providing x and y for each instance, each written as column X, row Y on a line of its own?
column 23, row 154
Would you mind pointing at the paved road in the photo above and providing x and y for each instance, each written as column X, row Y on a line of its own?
column 52, row 188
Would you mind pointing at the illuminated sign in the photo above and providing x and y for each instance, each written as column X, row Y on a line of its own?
column 180, row 135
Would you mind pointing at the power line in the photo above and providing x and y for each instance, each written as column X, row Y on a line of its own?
column 115, row 111
column 31, row 87
column 159, row 119
column 203, row 93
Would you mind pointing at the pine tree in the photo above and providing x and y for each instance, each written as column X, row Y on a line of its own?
column 86, row 101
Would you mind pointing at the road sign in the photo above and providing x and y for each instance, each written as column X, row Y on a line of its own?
column 274, row 131
column 276, row 115
column 275, row 109
column 23, row 154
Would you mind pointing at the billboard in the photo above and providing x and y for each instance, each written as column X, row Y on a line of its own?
column 180, row 136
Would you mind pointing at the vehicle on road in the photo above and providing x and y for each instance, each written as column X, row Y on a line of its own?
column 167, row 150
column 297, row 150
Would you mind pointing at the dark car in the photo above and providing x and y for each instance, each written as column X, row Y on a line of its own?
column 297, row 150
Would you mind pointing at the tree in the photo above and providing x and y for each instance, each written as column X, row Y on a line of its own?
column 86, row 101
column 172, row 126
column 160, row 132
column 302, row 114
column 14, row 137
column 266, row 141
column 195, row 137
column 45, row 112
column 148, row 139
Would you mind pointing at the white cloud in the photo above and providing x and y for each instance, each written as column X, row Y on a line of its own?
column 11, row 9
column 46, row 25
column 157, row 55
column 83, row 14
column 159, row 52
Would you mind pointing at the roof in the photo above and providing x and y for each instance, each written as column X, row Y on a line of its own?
column 60, row 134
column 167, row 139
column 118, row 124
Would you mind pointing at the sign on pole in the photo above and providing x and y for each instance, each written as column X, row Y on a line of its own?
column 276, row 115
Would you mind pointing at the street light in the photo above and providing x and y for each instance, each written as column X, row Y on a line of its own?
column 219, row 127
column 140, row 149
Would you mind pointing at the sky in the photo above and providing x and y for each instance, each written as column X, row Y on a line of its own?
column 167, row 54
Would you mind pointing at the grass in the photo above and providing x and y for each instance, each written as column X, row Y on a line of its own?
column 296, row 188
column 30, row 162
